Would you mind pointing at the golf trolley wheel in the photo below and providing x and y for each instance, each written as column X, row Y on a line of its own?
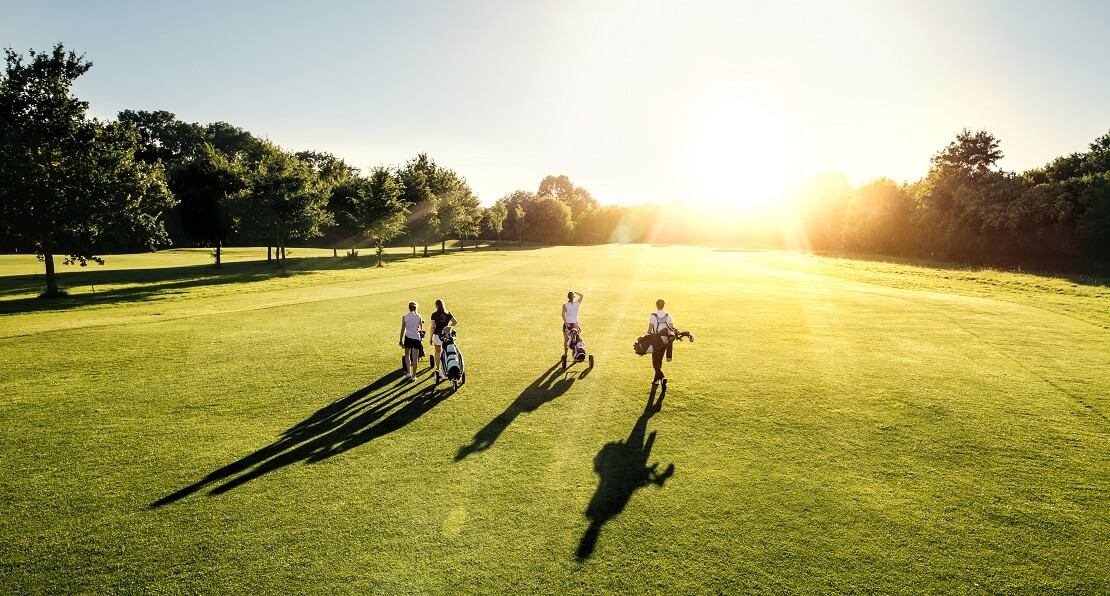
column 462, row 381
column 591, row 360
column 455, row 385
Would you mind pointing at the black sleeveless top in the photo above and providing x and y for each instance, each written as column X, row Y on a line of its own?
column 439, row 321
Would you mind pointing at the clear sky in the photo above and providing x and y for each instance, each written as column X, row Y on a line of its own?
column 637, row 101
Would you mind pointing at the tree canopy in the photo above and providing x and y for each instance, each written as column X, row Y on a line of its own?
column 79, row 187
column 69, row 184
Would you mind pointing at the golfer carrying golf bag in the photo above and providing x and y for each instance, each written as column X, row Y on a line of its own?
column 661, row 328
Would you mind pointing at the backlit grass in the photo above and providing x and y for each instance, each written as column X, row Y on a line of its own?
column 837, row 426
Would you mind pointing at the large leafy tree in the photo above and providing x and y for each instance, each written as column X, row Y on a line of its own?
column 1093, row 226
column 1097, row 160
column 342, row 183
column 381, row 209
column 342, row 204
column 68, row 184
column 878, row 218
column 235, row 143
column 609, row 223
column 580, row 201
column 495, row 219
column 440, row 202
column 953, row 198
column 456, row 205
column 521, row 224
column 424, row 223
column 162, row 137
column 972, row 153
column 417, row 195
column 206, row 187
column 463, row 215
column 285, row 201
column 518, row 203
column 550, row 218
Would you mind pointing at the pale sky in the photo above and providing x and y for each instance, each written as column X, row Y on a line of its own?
column 637, row 101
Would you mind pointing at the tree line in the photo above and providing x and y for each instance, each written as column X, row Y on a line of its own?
column 966, row 209
column 79, row 187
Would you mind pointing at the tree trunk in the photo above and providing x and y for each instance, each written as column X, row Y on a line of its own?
column 381, row 249
column 498, row 245
column 281, row 258
column 425, row 250
column 334, row 251
column 443, row 246
column 414, row 249
column 51, row 277
column 219, row 262
column 268, row 257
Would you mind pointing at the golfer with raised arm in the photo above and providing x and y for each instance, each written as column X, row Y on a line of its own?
column 570, row 316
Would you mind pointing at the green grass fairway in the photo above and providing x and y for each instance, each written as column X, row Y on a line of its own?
column 838, row 426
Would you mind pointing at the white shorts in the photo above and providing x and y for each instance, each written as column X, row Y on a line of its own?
column 436, row 341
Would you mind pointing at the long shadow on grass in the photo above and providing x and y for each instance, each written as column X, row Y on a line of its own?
column 622, row 469
column 153, row 283
column 550, row 385
column 371, row 412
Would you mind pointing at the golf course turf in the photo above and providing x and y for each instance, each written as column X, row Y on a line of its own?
column 838, row 426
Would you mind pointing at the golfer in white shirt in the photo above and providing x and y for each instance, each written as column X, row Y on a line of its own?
column 570, row 315
column 412, row 325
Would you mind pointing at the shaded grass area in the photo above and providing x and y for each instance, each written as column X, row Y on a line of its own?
column 93, row 285
column 165, row 275
column 831, row 430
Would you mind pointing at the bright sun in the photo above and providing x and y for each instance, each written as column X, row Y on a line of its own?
column 739, row 159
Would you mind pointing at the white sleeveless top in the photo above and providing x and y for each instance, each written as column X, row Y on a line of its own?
column 572, row 311
column 412, row 325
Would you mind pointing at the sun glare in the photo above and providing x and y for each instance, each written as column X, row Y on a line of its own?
column 739, row 158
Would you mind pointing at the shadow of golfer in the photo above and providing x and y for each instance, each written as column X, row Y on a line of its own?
column 551, row 384
column 373, row 411
column 622, row 469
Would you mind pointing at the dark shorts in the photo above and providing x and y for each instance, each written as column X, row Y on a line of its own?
column 413, row 344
